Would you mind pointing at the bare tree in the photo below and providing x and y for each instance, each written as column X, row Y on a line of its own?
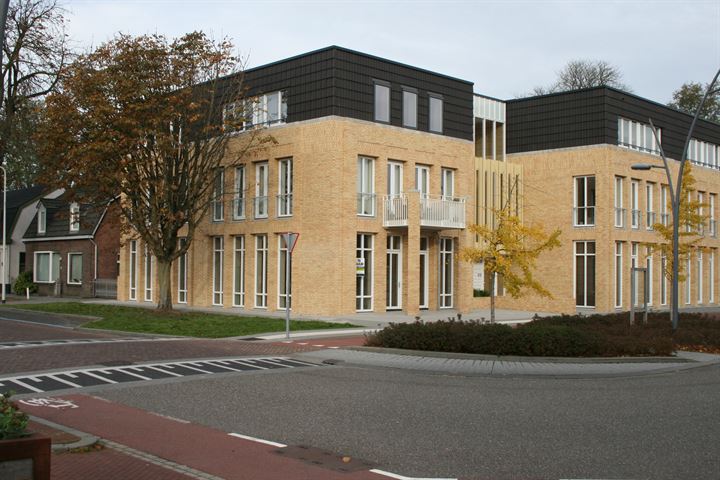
column 579, row 74
column 35, row 52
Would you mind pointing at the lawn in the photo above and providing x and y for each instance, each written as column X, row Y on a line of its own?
column 190, row 324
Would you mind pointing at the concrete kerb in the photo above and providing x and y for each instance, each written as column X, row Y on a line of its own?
column 86, row 440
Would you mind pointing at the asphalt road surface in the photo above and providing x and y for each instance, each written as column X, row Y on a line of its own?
column 655, row 427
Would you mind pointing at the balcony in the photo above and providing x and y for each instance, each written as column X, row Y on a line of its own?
column 435, row 211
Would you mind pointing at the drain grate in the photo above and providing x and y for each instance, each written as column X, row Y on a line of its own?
column 325, row 459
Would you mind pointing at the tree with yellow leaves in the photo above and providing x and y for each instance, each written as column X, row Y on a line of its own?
column 510, row 250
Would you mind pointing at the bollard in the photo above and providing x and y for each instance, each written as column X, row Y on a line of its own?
column 27, row 293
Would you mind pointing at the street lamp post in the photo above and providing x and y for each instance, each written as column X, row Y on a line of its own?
column 3, row 262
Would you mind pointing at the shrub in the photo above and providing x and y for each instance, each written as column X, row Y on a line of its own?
column 23, row 281
column 13, row 422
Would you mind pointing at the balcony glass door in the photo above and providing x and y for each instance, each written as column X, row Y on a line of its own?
column 394, row 272
column 394, row 178
column 422, row 180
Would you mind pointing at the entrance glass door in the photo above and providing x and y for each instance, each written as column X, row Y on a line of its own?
column 394, row 272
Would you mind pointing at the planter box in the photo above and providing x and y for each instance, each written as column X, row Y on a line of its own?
column 25, row 458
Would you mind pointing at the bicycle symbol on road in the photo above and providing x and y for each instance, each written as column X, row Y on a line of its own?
column 49, row 402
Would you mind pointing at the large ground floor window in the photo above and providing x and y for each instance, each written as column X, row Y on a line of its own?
column 446, row 272
column 261, row 253
column 364, row 273
column 47, row 267
column 585, row 274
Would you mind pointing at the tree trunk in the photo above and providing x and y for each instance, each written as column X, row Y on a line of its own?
column 492, row 298
column 164, row 293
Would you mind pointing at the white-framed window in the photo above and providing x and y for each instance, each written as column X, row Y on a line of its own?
column 42, row 219
column 712, row 223
column 218, row 195
column 702, row 153
column 284, row 264
column 584, row 201
column 422, row 180
column 148, row 274
column 447, row 184
column 75, row 268
column 619, row 210
column 585, row 273
column 634, row 249
column 699, row 257
column 435, row 113
column 133, row 270
column 182, row 273
column 701, row 202
column 267, row 109
column 711, row 276
column 74, row 217
column 261, row 255
column 688, row 277
column 447, row 269
column 409, row 108
column 395, row 178
column 239, row 271
column 218, row 264
column 649, row 205
column 285, row 188
column 364, row 275
column 635, row 214
column 618, row 274
column 649, row 273
column 664, row 199
column 47, row 267
column 261, row 190
column 366, row 186
column 663, row 280
column 382, row 102
column 239, row 197
column 638, row 136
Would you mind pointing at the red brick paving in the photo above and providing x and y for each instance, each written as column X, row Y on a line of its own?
column 108, row 464
column 201, row 448
column 11, row 331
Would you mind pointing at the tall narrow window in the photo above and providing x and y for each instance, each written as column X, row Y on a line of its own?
column 701, row 202
column 395, row 178
column 446, row 272
column 218, row 262
column 239, row 272
column 635, row 215
column 75, row 268
column 133, row 270
column 366, row 186
column 634, row 277
column 364, row 273
column 409, row 108
column 148, row 274
column 284, row 267
column 218, row 192
column 585, row 274
column 711, row 215
column 664, row 216
column 261, row 190
column 382, row 102
column 447, row 184
column 42, row 219
column 649, row 206
column 618, row 274
column 182, row 273
column 239, row 200
column 261, row 253
column 688, row 276
column 584, row 201
column 663, row 280
column 422, row 180
column 711, row 276
column 436, row 113
column 619, row 210
column 649, row 273
column 285, row 186
column 74, row 217
column 699, row 257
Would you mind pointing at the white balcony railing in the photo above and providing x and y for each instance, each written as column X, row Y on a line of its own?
column 435, row 211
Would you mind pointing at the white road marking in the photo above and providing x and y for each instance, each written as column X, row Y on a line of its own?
column 402, row 477
column 258, row 440
column 29, row 387
column 66, row 382
column 124, row 370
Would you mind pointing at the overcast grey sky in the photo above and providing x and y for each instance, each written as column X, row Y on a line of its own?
column 504, row 47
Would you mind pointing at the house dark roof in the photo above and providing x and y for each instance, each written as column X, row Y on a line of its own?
column 16, row 200
column 57, row 222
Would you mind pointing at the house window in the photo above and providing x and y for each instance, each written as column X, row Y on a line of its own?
column 261, row 190
column 663, row 280
column 382, row 102
column 446, row 272
column 649, row 206
column 585, row 274
column 649, row 274
column 239, row 272
column 284, row 283
column 217, row 285
column 585, row 201
column 436, row 113
column 422, row 180
column 364, row 273
column 634, row 251
column 74, row 269
column 133, row 269
column 285, row 186
column 688, row 276
column 701, row 224
column 699, row 276
column 268, row 109
column 366, row 186
column 635, row 214
column 74, row 217
column 47, row 267
column 704, row 153
column 711, row 215
column 409, row 108
column 711, row 276
column 261, row 253
column 447, row 184
column 218, row 192
column 42, row 219
column 148, row 271
column 664, row 216
column 638, row 136
column 239, row 200
column 618, row 274
column 182, row 274
column 395, row 178
column 619, row 210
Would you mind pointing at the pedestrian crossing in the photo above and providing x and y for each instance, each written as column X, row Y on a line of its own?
column 92, row 377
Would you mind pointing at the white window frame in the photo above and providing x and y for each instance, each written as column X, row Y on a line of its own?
column 447, row 254
column 583, row 303
column 649, row 273
column 69, row 268
column 634, row 262
column 218, row 263
column 586, row 209
column 711, row 276
column 365, row 250
column 52, row 275
column 635, row 214
column 238, row 277
column 395, row 178
column 182, row 293
column 619, row 210
column 239, row 197
column 283, row 259
column 148, row 275
column 447, row 183
column 42, row 219
column 261, row 257
column 638, row 136
column 663, row 280
column 422, row 180
column 649, row 205
column 664, row 216
column 688, row 280
column 218, row 206
column 262, row 173
column 699, row 259
column 618, row 274
column 133, row 270
column 711, row 214
column 74, row 217
column 285, row 187
column 366, row 186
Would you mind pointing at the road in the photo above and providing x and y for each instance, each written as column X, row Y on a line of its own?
column 664, row 426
